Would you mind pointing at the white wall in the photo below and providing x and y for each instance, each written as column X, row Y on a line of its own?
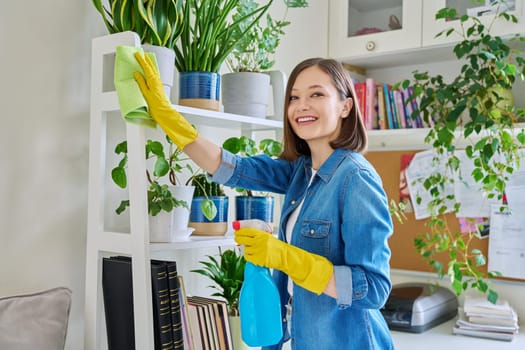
column 45, row 69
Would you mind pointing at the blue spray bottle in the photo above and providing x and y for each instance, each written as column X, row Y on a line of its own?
column 259, row 302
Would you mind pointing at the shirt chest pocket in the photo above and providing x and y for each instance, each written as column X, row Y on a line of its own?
column 315, row 236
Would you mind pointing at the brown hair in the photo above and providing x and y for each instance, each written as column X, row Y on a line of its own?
column 353, row 132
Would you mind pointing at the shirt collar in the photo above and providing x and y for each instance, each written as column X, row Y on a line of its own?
column 330, row 165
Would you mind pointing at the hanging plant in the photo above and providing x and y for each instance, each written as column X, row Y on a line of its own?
column 475, row 106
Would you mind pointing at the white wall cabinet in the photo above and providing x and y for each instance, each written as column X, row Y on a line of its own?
column 414, row 43
column 348, row 17
column 101, row 241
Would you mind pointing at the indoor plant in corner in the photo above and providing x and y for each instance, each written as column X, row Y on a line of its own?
column 206, row 40
column 475, row 107
column 246, row 89
column 227, row 274
column 168, row 205
column 248, row 205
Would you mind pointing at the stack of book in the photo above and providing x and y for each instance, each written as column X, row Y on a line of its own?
column 209, row 323
column 483, row 319
column 117, row 290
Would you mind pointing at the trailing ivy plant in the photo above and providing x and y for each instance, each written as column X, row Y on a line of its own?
column 165, row 163
column 475, row 106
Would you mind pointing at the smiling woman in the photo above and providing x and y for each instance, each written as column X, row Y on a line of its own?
column 319, row 172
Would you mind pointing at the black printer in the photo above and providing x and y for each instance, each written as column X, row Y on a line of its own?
column 416, row 307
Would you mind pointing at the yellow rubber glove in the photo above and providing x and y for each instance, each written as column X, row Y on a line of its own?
column 308, row 270
column 172, row 122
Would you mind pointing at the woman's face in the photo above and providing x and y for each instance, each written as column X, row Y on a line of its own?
column 315, row 110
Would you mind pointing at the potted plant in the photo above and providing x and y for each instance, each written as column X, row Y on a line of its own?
column 157, row 23
column 248, row 205
column 209, row 207
column 170, row 203
column 206, row 40
column 227, row 274
column 246, row 89
column 473, row 106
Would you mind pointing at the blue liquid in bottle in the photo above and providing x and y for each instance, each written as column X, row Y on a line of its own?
column 259, row 301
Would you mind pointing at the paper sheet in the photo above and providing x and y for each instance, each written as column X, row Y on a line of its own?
column 507, row 242
column 423, row 165
column 469, row 193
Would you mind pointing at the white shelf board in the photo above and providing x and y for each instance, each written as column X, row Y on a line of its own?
column 109, row 103
column 414, row 139
column 193, row 242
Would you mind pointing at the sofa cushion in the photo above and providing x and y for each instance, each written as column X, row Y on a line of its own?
column 35, row 321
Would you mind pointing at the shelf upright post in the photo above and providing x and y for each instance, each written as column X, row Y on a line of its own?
column 100, row 242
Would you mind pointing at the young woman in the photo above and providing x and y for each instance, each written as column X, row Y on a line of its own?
column 331, row 259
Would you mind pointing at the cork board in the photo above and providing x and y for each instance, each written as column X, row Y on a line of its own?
column 404, row 254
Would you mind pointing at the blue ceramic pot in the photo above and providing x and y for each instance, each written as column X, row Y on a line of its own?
column 199, row 89
column 254, row 207
column 221, row 202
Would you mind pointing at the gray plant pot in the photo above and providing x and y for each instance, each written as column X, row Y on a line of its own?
column 248, row 93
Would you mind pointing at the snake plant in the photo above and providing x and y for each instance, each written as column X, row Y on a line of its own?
column 157, row 22
column 208, row 38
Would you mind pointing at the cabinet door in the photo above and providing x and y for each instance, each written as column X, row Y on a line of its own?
column 485, row 12
column 365, row 28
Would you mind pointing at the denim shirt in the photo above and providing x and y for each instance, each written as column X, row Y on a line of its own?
column 344, row 218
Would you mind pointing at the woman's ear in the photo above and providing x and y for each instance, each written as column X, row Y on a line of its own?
column 347, row 107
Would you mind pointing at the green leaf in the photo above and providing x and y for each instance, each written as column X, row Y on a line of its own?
column 209, row 209
column 161, row 167
column 118, row 175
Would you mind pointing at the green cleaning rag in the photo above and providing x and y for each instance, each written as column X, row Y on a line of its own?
column 133, row 106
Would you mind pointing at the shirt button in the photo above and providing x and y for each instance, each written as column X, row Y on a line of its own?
column 357, row 294
column 312, row 231
column 293, row 202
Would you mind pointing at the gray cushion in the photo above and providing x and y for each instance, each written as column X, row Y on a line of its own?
column 35, row 321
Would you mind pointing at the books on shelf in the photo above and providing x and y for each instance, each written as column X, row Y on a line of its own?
column 117, row 290
column 210, row 323
column 383, row 107
column 481, row 318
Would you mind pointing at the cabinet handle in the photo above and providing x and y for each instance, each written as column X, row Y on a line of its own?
column 370, row 46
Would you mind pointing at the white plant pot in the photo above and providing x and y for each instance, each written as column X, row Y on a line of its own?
column 168, row 227
column 180, row 215
column 160, row 227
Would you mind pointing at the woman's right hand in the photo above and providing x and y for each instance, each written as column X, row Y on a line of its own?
column 179, row 130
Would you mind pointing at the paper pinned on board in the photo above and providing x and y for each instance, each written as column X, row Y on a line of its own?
column 507, row 242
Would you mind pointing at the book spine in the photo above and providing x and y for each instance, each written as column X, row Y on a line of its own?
column 360, row 91
column 416, row 116
column 371, row 104
column 400, row 108
column 408, row 109
column 175, row 306
column 117, row 289
column 381, row 114
column 117, row 292
column 161, row 306
column 388, row 107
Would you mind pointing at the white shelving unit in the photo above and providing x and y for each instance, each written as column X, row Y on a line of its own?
column 102, row 242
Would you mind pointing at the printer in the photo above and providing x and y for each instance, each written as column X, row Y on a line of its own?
column 416, row 307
